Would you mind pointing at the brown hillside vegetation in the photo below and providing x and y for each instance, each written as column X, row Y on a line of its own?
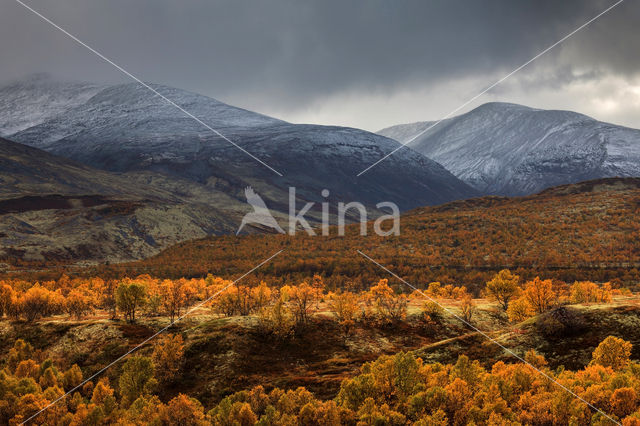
column 582, row 231
column 392, row 390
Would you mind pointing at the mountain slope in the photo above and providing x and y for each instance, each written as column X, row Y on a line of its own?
column 29, row 171
column 509, row 149
column 54, row 209
column 127, row 128
column 32, row 101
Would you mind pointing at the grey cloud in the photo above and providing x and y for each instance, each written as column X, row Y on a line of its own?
column 289, row 53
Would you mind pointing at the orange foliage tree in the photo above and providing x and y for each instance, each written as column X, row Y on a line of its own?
column 344, row 305
column 168, row 356
column 503, row 287
column 612, row 352
column 130, row 296
column 539, row 294
column 175, row 295
column 387, row 305
column 303, row 299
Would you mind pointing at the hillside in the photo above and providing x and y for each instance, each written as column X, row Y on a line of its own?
column 26, row 171
column 508, row 149
column 347, row 342
column 570, row 232
column 56, row 209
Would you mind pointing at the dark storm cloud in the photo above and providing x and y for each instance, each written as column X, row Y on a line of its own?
column 291, row 52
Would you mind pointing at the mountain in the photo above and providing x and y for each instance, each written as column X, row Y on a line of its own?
column 126, row 128
column 26, row 171
column 508, row 149
column 116, row 173
column 59, row 210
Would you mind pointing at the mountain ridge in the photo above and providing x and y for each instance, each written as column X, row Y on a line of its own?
column 119, row 173
column 510, row 149
column 125, row 128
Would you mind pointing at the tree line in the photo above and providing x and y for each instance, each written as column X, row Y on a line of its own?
column 283, row 309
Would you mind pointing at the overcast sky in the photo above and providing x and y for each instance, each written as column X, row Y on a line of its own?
column 365, row 63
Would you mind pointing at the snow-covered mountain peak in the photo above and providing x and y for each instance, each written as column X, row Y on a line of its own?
column 511, row 149
column 134, row 98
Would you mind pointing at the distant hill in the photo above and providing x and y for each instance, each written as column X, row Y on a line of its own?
column 508, row 149
column 581, row 231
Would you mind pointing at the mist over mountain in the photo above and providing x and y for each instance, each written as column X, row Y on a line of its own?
column 31, row 101
column 509, row 149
